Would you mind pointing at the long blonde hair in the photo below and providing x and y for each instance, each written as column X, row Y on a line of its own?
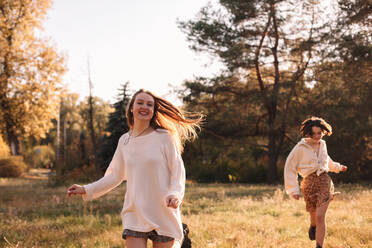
column 181, row 125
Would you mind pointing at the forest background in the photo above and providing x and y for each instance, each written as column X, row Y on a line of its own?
column 283, row 62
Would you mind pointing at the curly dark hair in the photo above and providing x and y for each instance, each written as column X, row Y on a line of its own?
column 306, row 126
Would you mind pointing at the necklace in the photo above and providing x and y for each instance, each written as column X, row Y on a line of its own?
column 126, row 141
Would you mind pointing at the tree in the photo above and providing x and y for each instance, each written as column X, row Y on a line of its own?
column 30, row 72
column 4, row 149
column 358, row 11
column 71, row 126
column 343, row 96
column 117, row 125
column 269, row 48
column 76, row 149
column 343, row 92
column 100, row 109
column 91, row 126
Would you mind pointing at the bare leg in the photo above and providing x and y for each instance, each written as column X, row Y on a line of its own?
column 320, row 223
column 163, row 244
column 133, row 242
column 313, row 218
column 312, row 229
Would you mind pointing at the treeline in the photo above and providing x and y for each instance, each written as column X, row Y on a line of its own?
column 284, row 61
column 73, row 142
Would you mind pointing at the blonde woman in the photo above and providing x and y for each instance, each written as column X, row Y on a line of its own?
column 310, row 159
column 148, row 157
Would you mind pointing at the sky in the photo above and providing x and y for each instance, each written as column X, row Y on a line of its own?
column 136, row 41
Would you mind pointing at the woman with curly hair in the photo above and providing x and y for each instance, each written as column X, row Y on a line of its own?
column 149, row 158
column 310, row 159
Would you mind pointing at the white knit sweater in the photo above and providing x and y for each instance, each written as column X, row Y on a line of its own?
column 303, row 160
column 154, row 169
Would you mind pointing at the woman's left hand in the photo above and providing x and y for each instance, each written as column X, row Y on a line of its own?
column 344, row 168
column 172, row 201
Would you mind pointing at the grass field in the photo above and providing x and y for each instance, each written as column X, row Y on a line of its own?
column 32, row 214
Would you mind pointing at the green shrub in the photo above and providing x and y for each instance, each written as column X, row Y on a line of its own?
column 40, row 157
column 12, row 166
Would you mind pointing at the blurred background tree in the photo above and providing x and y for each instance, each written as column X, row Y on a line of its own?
column 284, row 61
column 75, row 149
column 30, row 73
column 343, row 92
column 267, row 48
column 116, row 126
column 281, row 59
column 4, row 149
column 40, row 157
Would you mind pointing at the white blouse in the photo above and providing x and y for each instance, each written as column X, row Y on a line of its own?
column 153, row 168
column 303, row 160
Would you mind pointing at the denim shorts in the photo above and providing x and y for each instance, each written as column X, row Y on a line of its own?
column 153, row 235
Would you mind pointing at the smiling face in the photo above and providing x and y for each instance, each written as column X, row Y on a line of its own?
column 143, row 107
column 316, row 133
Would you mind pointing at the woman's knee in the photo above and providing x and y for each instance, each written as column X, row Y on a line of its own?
column 320, row 217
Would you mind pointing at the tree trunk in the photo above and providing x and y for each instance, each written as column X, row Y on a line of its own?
column 273, row 156
column 14, row 144
column 91, row 125
column 93, row 136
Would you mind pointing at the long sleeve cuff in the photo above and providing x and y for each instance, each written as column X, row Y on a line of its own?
column 293, row 191
column 175, row 193
column 334, row 166
column 88, row 195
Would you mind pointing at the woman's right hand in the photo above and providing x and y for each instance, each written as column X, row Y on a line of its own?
column 296, row 197
column 76, row 190
column 172, row 201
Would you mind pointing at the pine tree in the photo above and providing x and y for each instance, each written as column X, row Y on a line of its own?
column 269, row 48
column 117, row 125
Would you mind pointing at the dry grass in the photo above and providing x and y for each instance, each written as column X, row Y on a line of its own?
column 35, row 215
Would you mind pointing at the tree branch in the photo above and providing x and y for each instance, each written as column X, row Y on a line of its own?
column 259, row 78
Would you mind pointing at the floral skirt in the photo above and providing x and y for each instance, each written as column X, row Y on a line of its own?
column 317, row 190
